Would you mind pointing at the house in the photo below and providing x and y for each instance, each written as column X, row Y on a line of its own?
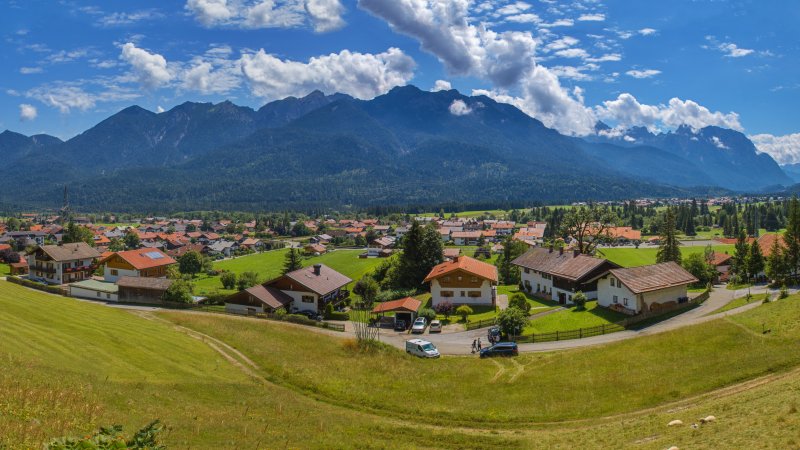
column 63, row 263
column 451, row 253
column 226, row 248
column 466, row 237
column 143, row 262
column 94, row 290
column 463, row 281
column 314, row 249
column 306, row 289
column 645, row 288
column 142, row 289
column 18, row 268
column 722, row 263
column 557, row 274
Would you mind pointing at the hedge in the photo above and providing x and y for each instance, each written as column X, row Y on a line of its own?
column 38, row 286
column 337, row 316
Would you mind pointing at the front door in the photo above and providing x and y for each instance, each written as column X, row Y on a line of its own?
column 562, row 298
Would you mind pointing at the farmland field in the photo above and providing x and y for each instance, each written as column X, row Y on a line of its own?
column 116, row 366
column 632, row 257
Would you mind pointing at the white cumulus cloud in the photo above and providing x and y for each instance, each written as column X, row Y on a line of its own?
column 326, row 15
column 149, row 68
column 592, row 18
column 783, row 149
column 322, row 15
column 459, row 108
column 361, row 75
column 647, row 73
column 627, row 111
column 441, row 85
column 27, row 112
column 210, row 12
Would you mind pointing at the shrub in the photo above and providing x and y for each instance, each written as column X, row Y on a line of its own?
column 464, row 311
column 34, row 285
column 394, row 294
column 228, row 280
column 279, row 313
column 519, row 301
column 444, row 308
column 784, row 292
column 112, row 438
column 580, row 300
column 512, row 321
column 247, row 280
column 427, row 313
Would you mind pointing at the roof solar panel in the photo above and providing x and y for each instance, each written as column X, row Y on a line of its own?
column 154, row 255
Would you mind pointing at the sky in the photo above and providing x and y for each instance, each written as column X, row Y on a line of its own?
column 68, row 64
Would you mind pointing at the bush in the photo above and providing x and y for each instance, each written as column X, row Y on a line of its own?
column 464, row 311
column 784, row 292
column 228, row 280
column 112, row 438
column 394, row 294
column 34, row 285
column 580, row 300
column 512, row 321
column 215, row 298
column 444, row 308
column 520, row 302
column 427, row 313
column 247, row 280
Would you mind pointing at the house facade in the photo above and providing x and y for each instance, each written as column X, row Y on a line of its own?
column 63, row 263
column 646, row 288
column 557, row 275
column 144, row 262
column 463, row 281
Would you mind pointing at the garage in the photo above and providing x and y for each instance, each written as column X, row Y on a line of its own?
column 403, row 309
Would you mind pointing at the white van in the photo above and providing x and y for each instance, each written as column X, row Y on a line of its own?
column 423, row 349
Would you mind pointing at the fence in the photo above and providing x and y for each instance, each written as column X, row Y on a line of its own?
column 648, row 315
column 479, row 324
column 580, row 333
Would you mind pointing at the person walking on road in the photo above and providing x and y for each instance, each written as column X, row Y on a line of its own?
column 479, row 344
column 474, row 346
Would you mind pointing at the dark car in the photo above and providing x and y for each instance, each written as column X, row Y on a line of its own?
column 500, row 349
column 399, row 325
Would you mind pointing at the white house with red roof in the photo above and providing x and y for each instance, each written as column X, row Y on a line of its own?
column 463, row 281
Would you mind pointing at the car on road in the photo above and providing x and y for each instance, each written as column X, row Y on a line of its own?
column 436, row 326
column 419, row 325
column 423, row 349
column 399, row 325
column 500, row 349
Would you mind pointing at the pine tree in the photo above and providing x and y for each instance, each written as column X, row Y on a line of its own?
column 292, row 261
column 755, row 260
column 669, row 249
column 740, row 254
column 791, row 237
column 776, row 267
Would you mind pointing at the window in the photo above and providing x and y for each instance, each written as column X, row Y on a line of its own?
column 98, row 294
column 474, row 294
column 473, row 279
column 625, row 301
column 613, row 282
column 616, row 299
column 446, row 279
column 527, row 270
column 307, row 299
column 570, row 298
column 463, row 294
column 108, row 296
column 460, row 278
column 114, row 272
column 446, row 293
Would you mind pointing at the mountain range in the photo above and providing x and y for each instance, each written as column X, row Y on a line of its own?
column 407, row 147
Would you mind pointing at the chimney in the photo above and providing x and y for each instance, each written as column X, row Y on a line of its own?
column 560, row 250
column 317, row 269
column 575, row 253
column 551, row 248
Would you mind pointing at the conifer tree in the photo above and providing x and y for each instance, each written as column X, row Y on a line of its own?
column 292, row 261
column 669, row 249
column 740, row 254
column 791, row 237
column 776, row 267
column 755, row 260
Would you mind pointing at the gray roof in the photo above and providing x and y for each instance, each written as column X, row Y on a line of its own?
column 270, row 296
column 327, row 281
column 565, row 265
column 69, row 252
column 654, row 277
column 155, row 284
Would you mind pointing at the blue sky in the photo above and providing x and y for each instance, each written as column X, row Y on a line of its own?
column 69, row 64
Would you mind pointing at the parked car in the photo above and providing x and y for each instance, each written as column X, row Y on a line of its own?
column 399, row 325
column 419, row 325
column 423, row 349
column 436, row 326
column 500, row 349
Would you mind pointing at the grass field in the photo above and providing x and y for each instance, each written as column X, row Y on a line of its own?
column 573, row 319
column 269, row 265
column 632, row 257
column 5, row 270
column 308, row 390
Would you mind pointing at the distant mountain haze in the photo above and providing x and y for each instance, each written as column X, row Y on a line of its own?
column 407, row 147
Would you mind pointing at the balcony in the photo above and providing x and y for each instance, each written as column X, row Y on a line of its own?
column 90, row 268
column 42, row 269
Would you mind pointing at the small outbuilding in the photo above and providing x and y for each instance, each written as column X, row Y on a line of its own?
column 257, row 299
column 142, row 289
column 94, row 290
column 404, row 309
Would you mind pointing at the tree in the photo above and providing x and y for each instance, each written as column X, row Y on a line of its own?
column 512, row 249
column 190, row 263
column 775, row 265
column 740, row 253
column 180, row 291
column 116, row 245
column 77, row 233
column 579, row 299
column 464, row 311
column 367, row 288
column 292, row 261
column 427, row 313
column 366, row 334
column 131, row 240
column 669, row 249
column 588, row 226
column 444, row 308
column 791, row 237
column 247, row 280
column 755, row 260
column 228, row 280
column 422, row 250
column 520, row 302
column 697, row 265
column 512, row 321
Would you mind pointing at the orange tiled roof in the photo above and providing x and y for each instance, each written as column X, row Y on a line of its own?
column 145, row 258
column 765, row 243
column 467, row 264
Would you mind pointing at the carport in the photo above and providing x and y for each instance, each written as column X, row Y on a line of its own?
column 403, row 309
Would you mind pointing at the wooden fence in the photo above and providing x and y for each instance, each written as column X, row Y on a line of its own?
column 479, row 324
column 580, row 333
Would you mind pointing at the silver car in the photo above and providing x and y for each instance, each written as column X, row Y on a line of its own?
column 419, row 325
column 436, row 326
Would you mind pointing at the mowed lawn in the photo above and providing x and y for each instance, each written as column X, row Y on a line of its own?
column 269, row 265
column 68, row 367
column 632, row 257
column 572, row 319
column 584, row 383
column 5, row 270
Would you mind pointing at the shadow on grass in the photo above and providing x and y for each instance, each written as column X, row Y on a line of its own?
column 657, row 319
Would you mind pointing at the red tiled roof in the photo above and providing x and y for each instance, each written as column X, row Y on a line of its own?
column 720, row 259
column 409, row 304
column 145, row 258
column 765, row 243
column 467, row 264
column 4, row 247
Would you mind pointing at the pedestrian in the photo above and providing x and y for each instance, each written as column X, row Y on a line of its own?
column 479, row 344
column 474, row 345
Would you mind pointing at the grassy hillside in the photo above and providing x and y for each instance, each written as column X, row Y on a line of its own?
column 67, row 367
column 632, row 257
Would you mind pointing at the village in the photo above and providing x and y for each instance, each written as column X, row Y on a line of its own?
column 517, row 279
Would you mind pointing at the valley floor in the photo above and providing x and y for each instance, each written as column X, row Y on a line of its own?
column 69, row 367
